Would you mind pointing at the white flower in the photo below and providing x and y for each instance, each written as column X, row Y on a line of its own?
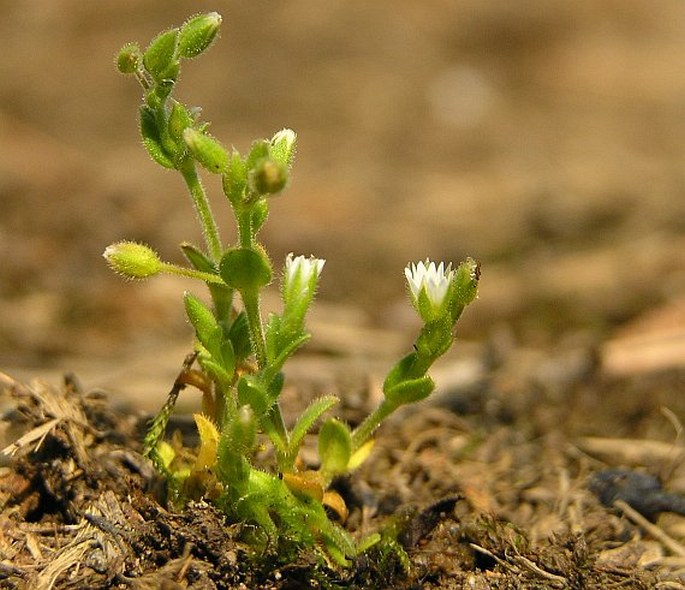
column 301, row 275
column 434, row 281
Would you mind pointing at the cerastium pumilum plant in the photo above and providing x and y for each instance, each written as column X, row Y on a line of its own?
column 240, row 355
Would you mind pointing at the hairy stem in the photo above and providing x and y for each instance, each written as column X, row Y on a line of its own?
column 364, row 431
column 204, row 212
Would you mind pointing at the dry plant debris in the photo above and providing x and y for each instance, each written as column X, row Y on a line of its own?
column 491, row 498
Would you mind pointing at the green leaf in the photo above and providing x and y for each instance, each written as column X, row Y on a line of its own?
column 241, row 431
column 206, row 327
column 245, row 269
column 253, row 394
column 221, row 373
column 239, row 335
column 335, row 447
column 307, row 420
column 407, row 392
column 149, row 131
column 197, row 258
column 287, row 350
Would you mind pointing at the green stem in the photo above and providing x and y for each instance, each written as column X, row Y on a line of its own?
column 245, row 235
column 364, row 431
column 174, row 269
column 204, row 212
column 254, row 322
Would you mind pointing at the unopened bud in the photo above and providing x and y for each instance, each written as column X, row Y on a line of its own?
column 129, row 58
column 209, row 153
column 269, row 176
column 198, row 33
column 283, row 146
column 160, row 57
column 132, row 260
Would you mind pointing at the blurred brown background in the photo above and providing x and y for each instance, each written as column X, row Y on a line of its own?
column 545, row 138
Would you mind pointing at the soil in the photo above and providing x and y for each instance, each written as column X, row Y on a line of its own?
column 546, row 140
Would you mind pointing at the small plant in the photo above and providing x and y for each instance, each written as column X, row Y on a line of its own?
column 241, row 354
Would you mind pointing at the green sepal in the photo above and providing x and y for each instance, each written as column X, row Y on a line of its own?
column 245, row 269
column 208, row 151
column 259, row 150
column 234, row 179
column 464, row 288
column 335, row 447
column 149, row 132
column 259, row 211
column 179, row 120
column 307, row 419
column 283, row 146
column 160, row 58
column 197, row 34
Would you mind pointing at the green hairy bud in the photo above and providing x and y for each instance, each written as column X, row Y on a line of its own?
column 129, row 58
column 209, row 153
column 198, row 34
column 132, row 260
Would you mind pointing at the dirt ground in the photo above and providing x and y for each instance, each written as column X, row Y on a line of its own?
column 545, row 139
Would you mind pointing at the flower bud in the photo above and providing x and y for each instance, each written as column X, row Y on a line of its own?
column 209, row 153
column 283, row 145
column 269, row 176
column 160, row 56
column 132, row 260
column 300, row 278
column 129, row 58
column 198, row 33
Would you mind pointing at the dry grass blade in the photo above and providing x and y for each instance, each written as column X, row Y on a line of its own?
column 671, row 544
